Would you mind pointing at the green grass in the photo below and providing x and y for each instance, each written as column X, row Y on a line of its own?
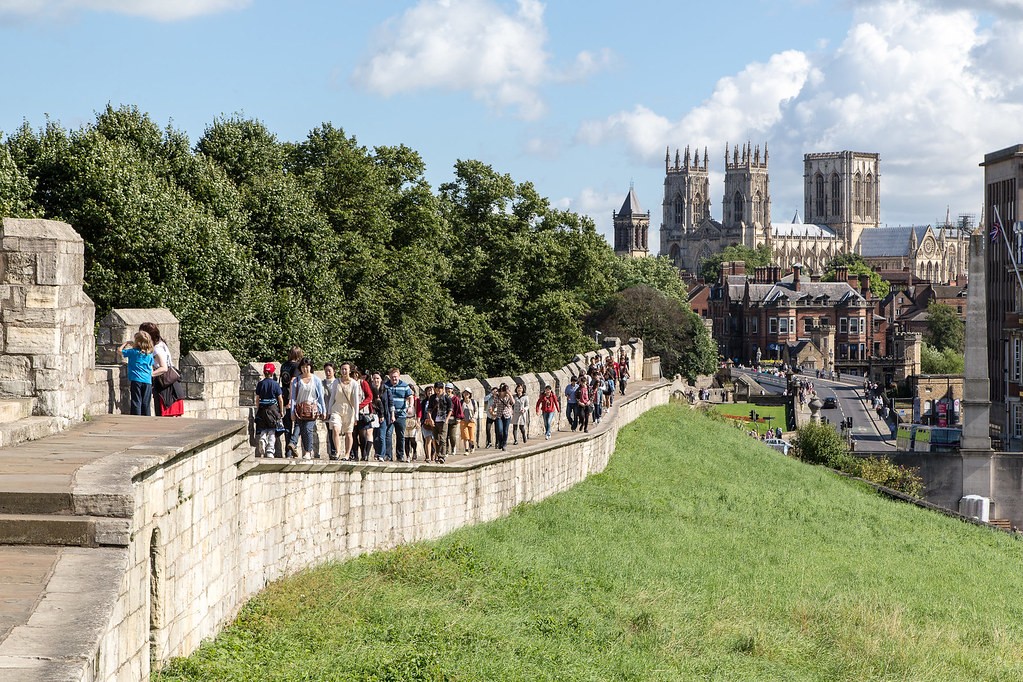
column 742, row 410
column 697, row 555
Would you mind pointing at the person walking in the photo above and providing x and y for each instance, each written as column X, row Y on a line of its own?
column 547, row 405
column 344, row 410
column 269, row 411
column 570, row 402
column 582, row 400
column 520, row 415
column 440, row 412
column 470, row 412
column 402, row 399
column 455, row 420
column 307, row 405
column 504, row 405
column 427, row 425
column 491, row 410
column 330, row 384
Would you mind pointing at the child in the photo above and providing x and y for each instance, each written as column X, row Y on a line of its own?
column 270, row 398
column 140, row 372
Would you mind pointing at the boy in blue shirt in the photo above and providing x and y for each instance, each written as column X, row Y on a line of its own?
column 269, row 414
column 140, row 372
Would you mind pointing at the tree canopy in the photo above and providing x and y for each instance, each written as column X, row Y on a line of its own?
column 857, row 266
column 945, row 330
column 710, row 268
column 257, row 244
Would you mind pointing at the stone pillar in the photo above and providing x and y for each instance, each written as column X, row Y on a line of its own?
column 212, row 380
column 48, row 348
column 120, row 325
column 976, row 441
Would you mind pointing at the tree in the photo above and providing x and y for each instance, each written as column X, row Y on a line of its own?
column 818, row 443
column 668, row 327
column 659, row 273
column 934, row 361
column 710, row 268
column 945, row 330
column 857, row 266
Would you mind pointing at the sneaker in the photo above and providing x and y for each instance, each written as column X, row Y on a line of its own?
column 547, row 437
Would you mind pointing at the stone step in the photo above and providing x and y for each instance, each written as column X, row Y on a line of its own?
column 13, row 409
column 30, row 428
column 63, row 530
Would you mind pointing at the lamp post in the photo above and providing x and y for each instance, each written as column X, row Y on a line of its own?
column 596, row 335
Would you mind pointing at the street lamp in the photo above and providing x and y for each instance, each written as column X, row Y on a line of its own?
column 596, row 336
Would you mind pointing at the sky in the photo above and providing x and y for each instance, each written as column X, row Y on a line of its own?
column 579, row 98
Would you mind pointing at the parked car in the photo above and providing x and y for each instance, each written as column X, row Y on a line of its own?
column 778, row 444
column 830, row 403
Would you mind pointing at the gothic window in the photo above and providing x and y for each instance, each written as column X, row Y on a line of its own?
column 680, row 209
column 868, row 190
column 698, row 209
column 836, row 195
column 858, row 194
column 676, row 255
column 737, row 208
column 821, row 206
column 758, row 208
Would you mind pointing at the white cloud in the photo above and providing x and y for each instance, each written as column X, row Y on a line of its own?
column 475, row 45
column 928, row 85
column 160, row 10
column 599, row 205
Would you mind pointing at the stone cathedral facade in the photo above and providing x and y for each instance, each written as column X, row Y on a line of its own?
column 841, row 203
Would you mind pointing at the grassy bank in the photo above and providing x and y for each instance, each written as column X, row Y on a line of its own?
column 698, row 554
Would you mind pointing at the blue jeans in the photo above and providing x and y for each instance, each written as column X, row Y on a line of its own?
column 307, row 431
column 381, row 442
column 598, row 406
column 572, row 414
column 548, row 419
column 141, row 398
column 501, row 431
column 396, row 429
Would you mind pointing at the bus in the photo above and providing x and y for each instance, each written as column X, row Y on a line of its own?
column 923, row 438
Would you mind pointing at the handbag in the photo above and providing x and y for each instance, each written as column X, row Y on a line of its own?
column 428, row 422
column 305, row 411
column 168, row 378
column 411, row 423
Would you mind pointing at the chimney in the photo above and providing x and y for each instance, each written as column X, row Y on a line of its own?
column 795, row 276
column 739, row 267
column 841, row 274
column 815, row 277
column 865, row 286
column 775, row 274
column 758, row 274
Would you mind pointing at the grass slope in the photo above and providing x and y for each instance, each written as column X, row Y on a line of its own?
column 698, row 554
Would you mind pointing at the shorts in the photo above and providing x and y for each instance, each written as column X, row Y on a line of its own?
column 469, row 430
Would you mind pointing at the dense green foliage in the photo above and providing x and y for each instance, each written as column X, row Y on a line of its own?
column 698, row 554
column 857, row 266
column 710, row 268
column 257, row 244
column 669, row 329
column 945, row 330
column 934, row 361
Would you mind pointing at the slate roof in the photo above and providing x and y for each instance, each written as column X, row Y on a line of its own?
column 889, row 241
column 631, row 205
column 836, row 292
column 800, row 229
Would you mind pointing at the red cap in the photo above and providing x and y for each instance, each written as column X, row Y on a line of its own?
column 269, row 368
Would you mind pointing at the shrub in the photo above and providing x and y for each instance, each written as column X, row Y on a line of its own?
column 883, row 471
column 820, row 444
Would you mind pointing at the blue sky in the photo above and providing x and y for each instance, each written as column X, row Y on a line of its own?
column 579, row 98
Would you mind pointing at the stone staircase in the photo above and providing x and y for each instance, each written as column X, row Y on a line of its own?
column 17, row 424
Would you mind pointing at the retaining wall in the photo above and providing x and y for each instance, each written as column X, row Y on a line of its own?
column 211, row 528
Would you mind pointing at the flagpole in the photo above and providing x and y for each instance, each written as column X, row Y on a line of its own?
column 1008, row 247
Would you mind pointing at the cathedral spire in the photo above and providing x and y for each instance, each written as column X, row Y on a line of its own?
column 667, row 158
column 677, row 162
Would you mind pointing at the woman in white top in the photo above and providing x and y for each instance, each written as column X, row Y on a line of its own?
column 307, row 404
column 343, row 408
column 520, row 415
column 165, row 402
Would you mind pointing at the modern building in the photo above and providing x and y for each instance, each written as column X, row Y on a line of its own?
column 1003, row 179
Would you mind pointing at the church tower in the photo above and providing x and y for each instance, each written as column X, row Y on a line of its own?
column 842, row 190
column 632, row 228
column 746, row 210
column 686, row 200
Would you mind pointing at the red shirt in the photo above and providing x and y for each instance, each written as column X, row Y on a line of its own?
column 547, row 402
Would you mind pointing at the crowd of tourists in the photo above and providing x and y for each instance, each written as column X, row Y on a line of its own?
column 373, row 415
column 154, row 385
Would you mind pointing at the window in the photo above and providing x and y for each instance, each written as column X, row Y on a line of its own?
column 753, row 324
column 819, row 187
column 836, row 195
column 792, row 324
column 854, row 325
column 858, row 194
column 758, row 215
column 868, row 198
column 843, row 325
column 863, row 351
column 680, row 209
column 737, row 208
column 1017, row 359
column 1017, row 420
column 783, row 325
column 772, row 325
column 843, row 351
column 877, row 349
column 697, row 209
column 807, row 324
column 863, row 325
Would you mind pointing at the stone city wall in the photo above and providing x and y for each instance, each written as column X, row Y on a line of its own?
column 211, row 527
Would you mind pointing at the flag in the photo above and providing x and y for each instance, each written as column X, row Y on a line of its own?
column 996, row 228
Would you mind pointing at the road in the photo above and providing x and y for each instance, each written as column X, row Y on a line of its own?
column 868, row 430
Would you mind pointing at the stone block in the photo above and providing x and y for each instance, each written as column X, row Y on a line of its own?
column 17, row 268
column 41, row 297
column 32, row 340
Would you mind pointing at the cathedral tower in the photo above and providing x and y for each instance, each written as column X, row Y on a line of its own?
column 686, row 199
column 842, row 190
column 746, row 210
column 632, row 228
